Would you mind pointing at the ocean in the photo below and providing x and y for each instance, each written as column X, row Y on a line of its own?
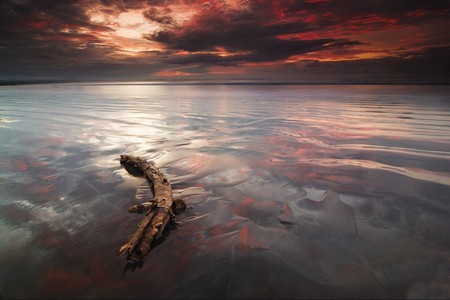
column 294, row 191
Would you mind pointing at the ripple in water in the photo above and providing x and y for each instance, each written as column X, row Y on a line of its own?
column 296, row 191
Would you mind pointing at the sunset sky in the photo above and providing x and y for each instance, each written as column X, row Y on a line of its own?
column 302, row 41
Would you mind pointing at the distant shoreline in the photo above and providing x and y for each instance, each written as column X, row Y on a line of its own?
column 237, row 82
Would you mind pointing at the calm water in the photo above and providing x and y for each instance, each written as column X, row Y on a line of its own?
column 296, row 191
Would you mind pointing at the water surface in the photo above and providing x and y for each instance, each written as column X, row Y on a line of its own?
column 296, row 191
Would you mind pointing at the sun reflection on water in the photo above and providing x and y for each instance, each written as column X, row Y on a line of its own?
column 336, row 190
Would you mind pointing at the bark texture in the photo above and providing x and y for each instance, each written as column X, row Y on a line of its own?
column 158, row 212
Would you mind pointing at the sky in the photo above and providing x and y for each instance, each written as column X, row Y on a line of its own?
column 278, row 41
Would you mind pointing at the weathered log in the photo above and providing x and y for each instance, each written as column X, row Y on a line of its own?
column 158, row 212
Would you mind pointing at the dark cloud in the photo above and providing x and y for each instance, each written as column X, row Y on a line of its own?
column 32, row 23
column 333, row 12
column 242, row 31
column 58, row 37
column 204, row 59
column 161, row 15
column 262, row 50
column 212, row 29
column 19, row 14
column 383, row 70
column 30, row 34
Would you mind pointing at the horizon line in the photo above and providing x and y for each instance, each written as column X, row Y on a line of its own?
column 216, row 82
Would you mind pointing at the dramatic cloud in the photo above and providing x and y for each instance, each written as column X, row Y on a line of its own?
column 305, row 40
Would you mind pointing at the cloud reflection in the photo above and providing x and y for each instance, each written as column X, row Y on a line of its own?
column 291, row 197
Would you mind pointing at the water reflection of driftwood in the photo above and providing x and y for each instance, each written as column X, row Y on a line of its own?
column 159, row 211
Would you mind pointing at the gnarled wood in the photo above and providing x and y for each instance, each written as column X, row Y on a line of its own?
column 158, row 212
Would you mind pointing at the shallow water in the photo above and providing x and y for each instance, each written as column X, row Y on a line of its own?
column 296, row 191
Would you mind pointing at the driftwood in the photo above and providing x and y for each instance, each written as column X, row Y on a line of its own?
column 158, row 212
